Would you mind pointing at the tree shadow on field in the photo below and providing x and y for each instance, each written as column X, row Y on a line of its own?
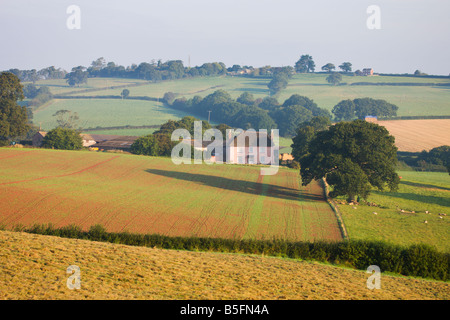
column 423, row 185
column 421, row 198
column 252, row 90
column 256, row 188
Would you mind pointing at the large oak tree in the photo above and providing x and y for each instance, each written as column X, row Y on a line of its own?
column 354, row 157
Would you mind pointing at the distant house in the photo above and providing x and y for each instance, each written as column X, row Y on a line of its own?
column 240, row 150
column 367, row 72
column 87, row 140
column 373, row 119
column 286, row 158
column 38, row 138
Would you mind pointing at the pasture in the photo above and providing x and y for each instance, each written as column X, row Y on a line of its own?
column 429, row 100
column 34, row 267
column 418, row 192
column 107, row 112
column 60, row 86
column 152, row 195
column 123, row 132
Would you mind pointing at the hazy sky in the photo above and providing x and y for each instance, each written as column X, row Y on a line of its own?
column 414, row 34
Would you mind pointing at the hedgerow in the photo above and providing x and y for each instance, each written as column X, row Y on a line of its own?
column 416, row 260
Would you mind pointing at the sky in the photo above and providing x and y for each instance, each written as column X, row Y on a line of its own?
column 412, row 35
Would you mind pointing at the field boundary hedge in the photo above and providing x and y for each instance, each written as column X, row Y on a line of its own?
column 156, row 126
column 414, row 84
column 109, row 97
column 335, row 208
column 107, row 88
column 416, row 260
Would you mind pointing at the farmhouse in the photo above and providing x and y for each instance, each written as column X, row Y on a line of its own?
column 367, row 72
column 242, row 149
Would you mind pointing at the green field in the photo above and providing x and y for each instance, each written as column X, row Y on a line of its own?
column 123, row 132
column 107, row 112
column 60, row 86
column 419, row 192
column 411, row 100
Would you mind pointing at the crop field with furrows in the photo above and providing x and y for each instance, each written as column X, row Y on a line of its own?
column 419, row 135
column 401, row 217
column 153, row 195
column 34, row 267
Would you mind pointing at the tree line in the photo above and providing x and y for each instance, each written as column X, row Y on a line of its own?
column 359, row 108
column 246, row 112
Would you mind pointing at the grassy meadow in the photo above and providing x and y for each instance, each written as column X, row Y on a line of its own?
column 107, row 113
column 418, row 192
column 124, row 132
column 412, row 100
column 60, row 86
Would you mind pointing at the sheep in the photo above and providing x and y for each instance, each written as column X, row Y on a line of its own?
column 425, row 221
column 374, row 213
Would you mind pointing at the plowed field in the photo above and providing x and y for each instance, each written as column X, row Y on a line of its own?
column 153, row 195
column 418, row 135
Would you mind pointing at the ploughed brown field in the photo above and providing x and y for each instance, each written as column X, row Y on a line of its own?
column 154, row 196
column 419, row 135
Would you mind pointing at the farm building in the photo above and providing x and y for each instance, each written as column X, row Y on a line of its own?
column 286, row 158
column 202, row 147
column 240, row 150
column 38, row 138
column 373, row 119
column 107, row 142
column 367, row 72
column 88, row 140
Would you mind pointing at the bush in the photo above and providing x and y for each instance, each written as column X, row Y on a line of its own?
column 147, row 145
column 65, row 139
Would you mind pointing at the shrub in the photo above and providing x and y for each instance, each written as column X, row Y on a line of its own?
column 65, row 139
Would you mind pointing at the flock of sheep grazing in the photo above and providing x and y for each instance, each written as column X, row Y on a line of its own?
column 441, row 215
